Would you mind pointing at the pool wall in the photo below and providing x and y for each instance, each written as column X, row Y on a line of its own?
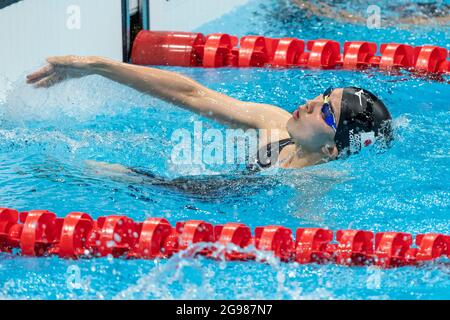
column 187, row 15
column 35, row 29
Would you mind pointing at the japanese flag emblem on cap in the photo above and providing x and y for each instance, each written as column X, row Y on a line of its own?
column 366, row 138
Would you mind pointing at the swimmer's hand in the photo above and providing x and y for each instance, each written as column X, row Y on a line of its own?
column 60, row 68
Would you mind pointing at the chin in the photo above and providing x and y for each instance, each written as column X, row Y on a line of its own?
column 292, row 127
column 290, row 124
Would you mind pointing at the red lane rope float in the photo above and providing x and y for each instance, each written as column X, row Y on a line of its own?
column 41, row 233
column 221, row 50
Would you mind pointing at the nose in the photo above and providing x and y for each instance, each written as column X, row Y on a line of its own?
column 309, row 107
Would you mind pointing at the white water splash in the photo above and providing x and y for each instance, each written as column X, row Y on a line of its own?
column 77, row 99
column 157, row 283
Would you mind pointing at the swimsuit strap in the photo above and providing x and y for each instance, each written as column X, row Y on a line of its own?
column 281, row 144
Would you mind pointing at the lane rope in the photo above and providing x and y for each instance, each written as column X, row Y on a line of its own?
column 42, row 233
column 189, row 49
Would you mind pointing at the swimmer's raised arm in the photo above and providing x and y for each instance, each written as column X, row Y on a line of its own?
column 169, row 86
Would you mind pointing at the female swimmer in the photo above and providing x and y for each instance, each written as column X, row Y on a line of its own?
column 339, row 121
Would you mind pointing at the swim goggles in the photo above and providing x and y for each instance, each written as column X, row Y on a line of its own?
column 327, row 112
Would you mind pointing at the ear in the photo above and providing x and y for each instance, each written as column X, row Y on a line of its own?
column 330, row 151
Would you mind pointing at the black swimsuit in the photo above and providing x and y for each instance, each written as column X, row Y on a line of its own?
column 269, row 150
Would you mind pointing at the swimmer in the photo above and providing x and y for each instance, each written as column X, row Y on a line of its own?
column 337, row 122
column 407, row 14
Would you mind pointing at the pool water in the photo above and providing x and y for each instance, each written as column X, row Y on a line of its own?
column 46, row 136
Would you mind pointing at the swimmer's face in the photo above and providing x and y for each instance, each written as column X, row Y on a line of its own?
column 308, row 128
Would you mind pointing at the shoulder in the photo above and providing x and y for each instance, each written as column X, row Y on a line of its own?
column 267, row 116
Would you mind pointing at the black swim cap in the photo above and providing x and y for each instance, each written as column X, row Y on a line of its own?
column 364, row 118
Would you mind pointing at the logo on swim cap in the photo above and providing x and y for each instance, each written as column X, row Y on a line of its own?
column 359, row 93
column 367, row 138
column 360, row 140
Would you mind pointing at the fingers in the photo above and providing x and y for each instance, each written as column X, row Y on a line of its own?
column 57, row 69
column 41, row 73
column 49, row 68
column 49, row 80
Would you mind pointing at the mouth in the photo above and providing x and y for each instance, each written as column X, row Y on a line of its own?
column 296, row 114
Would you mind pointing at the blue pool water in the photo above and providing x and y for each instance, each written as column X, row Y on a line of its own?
column 47, row 135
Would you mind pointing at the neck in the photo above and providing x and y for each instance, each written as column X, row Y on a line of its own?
column 304, row 158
